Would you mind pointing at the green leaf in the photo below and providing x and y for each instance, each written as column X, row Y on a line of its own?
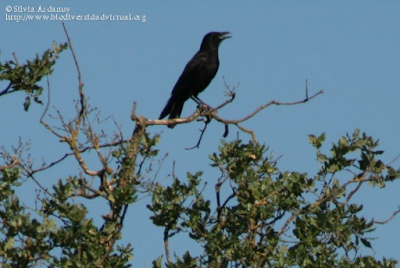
column 157, row 262
column 366, row 243
column 9, row 244
column 27, row 103
column 316, row 142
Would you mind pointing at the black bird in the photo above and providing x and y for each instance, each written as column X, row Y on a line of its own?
column 196, row 76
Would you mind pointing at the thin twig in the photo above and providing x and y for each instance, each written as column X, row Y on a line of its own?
column 201, row 137
column 91, row 189
column 394, row 160
column 30, row 174
column 45, row 112
column 106, row 145
column 390, row 218
column 353, row 192
column 5, row 91
column 16, row 59
column 262, row 107
column 13, row 163
column 81, row 93
column 212, row 114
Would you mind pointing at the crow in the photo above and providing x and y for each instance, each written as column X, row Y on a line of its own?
column 196, row 76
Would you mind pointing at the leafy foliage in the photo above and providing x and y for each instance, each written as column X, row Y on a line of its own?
column 60, row 236
column 26, row 77
column 274, row 218
column 260, row 217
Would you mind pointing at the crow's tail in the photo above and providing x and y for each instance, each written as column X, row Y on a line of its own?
column 173, row 108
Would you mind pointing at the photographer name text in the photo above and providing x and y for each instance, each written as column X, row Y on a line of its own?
column 43, row 9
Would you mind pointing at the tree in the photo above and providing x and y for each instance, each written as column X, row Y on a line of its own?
column 269, row 218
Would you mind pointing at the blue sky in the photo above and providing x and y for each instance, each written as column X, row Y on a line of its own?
column 350, row 49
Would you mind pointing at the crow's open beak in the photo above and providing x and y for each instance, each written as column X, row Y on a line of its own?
column 224, row 35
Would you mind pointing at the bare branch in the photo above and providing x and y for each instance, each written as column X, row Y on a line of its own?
column 80, row 159
column 15, row 58
column 133, row 113
column 5, row 91
column 45, row 112
column 14, row 162
column 91, row 189
column 389, row 219
column 82, row 113
column 38, row 184
column 76, row 64
column 262, row 107
column 251, row 132
column 166, row 245
column 80, row 83
column 227, row 121
column 83, row 150
column 174, row 121
column 353, row 192
column 394, row 160
column 202, row 131
column 212, row 114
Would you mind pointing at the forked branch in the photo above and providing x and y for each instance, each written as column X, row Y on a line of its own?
column 211, row 113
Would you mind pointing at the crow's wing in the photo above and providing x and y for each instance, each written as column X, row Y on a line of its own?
column 189, row 76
